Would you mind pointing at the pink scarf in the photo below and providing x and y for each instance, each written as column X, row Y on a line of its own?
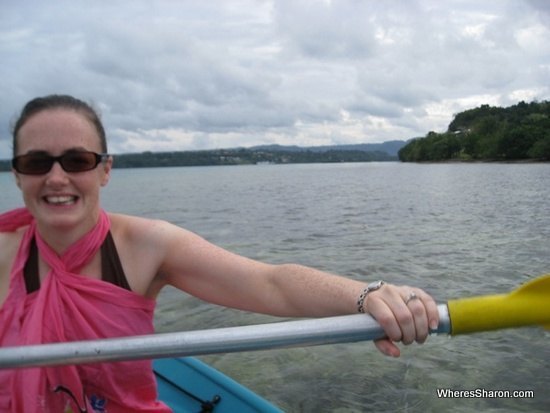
column 68, row 307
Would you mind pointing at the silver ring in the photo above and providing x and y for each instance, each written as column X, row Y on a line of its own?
column 411, row 296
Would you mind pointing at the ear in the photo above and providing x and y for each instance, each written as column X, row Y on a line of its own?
column 106, row 173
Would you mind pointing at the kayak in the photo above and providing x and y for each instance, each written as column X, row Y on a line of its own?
column 186, row 384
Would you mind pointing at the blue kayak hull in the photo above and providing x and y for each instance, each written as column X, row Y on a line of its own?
column 189, row 385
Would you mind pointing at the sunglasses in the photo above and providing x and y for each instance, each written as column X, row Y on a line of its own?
column 41, row 163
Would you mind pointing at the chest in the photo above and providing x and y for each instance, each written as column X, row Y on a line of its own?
column 104, row 265
column 92, row 269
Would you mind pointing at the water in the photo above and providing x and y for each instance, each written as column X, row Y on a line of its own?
column 454, row 229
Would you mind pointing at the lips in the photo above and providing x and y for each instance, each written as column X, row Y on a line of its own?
column 60, row 199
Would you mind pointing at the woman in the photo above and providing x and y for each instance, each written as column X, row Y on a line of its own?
column 70, row 271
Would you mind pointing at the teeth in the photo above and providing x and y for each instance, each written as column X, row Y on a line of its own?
column 61, row 200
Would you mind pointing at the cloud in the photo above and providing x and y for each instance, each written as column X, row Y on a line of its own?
column 194, row 75
column 326, row 30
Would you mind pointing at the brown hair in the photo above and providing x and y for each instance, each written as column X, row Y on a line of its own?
column 59, row 102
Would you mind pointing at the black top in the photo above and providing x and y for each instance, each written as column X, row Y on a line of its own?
column 111, row 268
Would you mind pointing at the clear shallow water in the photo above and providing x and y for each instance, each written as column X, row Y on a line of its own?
column 454, row 229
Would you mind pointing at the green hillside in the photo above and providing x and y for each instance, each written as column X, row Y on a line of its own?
column 487, row 133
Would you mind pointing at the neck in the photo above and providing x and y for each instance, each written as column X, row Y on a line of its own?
column 60, row 238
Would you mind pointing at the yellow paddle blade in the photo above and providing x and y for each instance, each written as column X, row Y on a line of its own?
column 528, row 305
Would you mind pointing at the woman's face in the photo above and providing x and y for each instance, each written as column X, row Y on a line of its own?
column 60, row 199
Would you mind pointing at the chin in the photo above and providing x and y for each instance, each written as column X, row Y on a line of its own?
column 64, row 218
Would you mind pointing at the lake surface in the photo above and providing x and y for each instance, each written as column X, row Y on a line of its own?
column 456, row 230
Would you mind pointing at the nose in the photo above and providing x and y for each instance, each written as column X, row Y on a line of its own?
column 56, row 175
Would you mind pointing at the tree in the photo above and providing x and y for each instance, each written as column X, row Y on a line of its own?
column 541, row 149
column 490, row 133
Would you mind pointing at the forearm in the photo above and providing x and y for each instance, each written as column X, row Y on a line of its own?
column 299, row 291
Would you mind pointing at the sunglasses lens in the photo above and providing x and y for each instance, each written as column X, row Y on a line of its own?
column 79, row 161
column 38, row 164
column 33, row 164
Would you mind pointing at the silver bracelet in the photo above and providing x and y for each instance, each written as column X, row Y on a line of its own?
column 368, row 289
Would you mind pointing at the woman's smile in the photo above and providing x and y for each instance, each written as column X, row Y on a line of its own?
column 61, row 200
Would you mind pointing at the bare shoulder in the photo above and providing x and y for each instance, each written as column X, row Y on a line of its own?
column 130, row 225
column 143, row 245
column 143, row 231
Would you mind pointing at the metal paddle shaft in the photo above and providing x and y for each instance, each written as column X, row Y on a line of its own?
column 310, row 332
column 526, row 306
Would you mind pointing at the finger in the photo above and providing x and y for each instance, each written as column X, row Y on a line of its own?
column 388, row 307
column 432, row 312
column 407, row 323
column 380, row 305
column 387, row 347
column 403, row 312
column 425, row 313
column 420, row 317
column 410, row 322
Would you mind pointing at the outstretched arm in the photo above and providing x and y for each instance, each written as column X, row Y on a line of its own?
column 215, row 275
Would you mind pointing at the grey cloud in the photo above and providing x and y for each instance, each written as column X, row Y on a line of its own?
column 275, row 70
column 321, row 30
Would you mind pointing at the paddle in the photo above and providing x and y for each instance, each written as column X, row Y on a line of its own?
column 528, row 305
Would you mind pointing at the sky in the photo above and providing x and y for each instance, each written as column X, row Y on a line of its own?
column 190, row 75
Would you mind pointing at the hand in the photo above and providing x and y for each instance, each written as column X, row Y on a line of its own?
column 405, row 313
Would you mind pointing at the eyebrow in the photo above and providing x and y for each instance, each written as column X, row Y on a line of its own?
column 42, row 152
